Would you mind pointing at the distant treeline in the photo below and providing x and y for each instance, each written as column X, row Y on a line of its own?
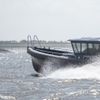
column 23, row 43
column 14, row 41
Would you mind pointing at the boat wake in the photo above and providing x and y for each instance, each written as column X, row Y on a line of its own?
column 89, row 71
column 2, row 97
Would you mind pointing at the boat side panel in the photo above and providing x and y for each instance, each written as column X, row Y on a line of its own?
column 39, row 61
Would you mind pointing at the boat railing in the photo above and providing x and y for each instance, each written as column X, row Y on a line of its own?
column 35, row 38
column 31, row 41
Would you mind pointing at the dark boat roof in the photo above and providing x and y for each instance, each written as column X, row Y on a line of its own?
column 86, row 40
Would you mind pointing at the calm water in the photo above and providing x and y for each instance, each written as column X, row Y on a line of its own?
column 17, row 80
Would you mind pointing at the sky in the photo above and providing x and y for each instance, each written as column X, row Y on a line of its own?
column 58, row 20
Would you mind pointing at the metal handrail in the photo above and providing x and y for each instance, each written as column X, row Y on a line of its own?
column 36, row 38
column 31, row 41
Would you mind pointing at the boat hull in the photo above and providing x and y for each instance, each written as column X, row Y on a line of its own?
column 42, row 62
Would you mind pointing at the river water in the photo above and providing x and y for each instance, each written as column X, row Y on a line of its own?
column 18, row 80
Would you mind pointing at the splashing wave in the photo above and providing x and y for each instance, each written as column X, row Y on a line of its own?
column 88, row 71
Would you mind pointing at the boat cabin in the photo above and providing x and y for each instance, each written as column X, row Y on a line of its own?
column 86, row 46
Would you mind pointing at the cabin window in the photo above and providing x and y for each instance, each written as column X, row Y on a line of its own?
column 84, row 47
column 91, row 49
column 76, row 47
column 90, row 45
column 97, row 46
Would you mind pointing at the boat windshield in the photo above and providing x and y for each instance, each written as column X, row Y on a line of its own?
column 85, row 48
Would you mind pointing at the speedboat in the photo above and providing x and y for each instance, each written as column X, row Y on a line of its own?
column 84, row 50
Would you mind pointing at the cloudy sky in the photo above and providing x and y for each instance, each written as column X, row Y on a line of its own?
column 49, row 19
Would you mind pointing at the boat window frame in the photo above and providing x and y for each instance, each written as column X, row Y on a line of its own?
column 95, row 49
column 80, row 50
column 76, row 49
column 72, row 43
column 83, row 49
column 88, row 46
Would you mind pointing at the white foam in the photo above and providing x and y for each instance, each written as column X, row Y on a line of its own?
column 7, row 97
column 89, row 71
